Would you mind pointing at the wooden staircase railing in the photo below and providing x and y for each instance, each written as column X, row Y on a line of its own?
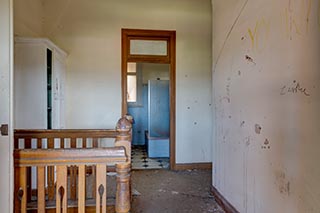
column 86, row 140
column 61, row 159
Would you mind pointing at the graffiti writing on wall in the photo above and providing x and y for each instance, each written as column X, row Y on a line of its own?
column 259, row 34
column 295, row 87
column 297, row 17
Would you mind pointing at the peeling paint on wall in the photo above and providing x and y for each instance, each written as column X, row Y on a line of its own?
column 257, row 128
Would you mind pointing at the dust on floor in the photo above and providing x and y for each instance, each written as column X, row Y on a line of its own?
column 173, row 191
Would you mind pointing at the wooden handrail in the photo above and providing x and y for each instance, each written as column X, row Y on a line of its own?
column 65, row 133
column 53, row 157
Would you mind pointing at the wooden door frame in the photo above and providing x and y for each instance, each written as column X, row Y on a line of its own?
column 170, row 58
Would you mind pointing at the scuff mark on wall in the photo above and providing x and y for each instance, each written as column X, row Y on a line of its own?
column 250, row 59
column 294, row 88
column 225, row 98
column 228, row 87
column 242, row 123
column 282, row 182
column 247, row 140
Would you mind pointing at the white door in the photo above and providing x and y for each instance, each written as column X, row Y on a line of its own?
column 6, row 146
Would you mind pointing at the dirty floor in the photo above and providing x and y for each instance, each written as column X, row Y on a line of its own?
column 172, row 191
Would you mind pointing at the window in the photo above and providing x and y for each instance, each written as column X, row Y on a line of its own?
column 132, row 83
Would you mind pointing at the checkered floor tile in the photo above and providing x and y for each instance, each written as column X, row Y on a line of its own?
column 140, row 160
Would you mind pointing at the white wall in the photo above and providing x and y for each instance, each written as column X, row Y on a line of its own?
column 154, row 71
column 90, row 31
column 273, row 47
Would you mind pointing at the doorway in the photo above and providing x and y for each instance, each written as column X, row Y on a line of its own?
column 150, row 48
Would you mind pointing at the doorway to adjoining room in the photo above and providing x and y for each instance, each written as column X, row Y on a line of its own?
column 148, row 103
column 148, row 95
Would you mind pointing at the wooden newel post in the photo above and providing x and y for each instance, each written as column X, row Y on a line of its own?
column 123, row 196
column 124, row 137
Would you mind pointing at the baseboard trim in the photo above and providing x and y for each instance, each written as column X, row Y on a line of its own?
column 222, row 201
column 186, row 166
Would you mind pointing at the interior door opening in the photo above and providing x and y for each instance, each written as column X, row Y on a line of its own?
column 148, row 103
column 150, row 93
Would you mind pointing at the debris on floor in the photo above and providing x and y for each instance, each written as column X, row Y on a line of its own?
column 135, row 192
column 173, row 191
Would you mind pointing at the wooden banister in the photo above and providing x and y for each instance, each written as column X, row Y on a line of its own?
column 53, row 157
column 61, row 159
column 38, row 148
column 65, row 133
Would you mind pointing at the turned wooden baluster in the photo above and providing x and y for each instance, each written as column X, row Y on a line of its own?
column 27, row 145
column 123, row 196
column 50, row 173
column 94, row 145
column 73, row 174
